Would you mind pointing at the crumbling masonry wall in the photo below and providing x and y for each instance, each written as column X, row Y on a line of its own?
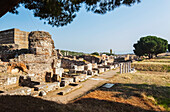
column 42, row 57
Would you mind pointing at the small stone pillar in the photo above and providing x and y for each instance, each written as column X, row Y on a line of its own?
column 130, row 67
column 125, row 67
column 121, row 68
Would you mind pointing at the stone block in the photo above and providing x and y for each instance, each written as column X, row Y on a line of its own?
column 15, row 71
column 47, row 87
column 66, row 81
column 48, row 77
column 88, row 66
column 101, row 70
column 72, row 71
column 56, row 78
column 80, row 68
column 20, row 91
column 95, row 72
column 59, row 71
column 90, row 72
column 25, row 81
column 11, row 80
column 42, row 93
column 79, row 78
column 70, row 89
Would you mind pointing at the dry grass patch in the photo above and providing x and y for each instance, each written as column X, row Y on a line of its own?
column 143, row 77
column 158, row 60
column 159, row 65
column 152, row 66
column 140, row 92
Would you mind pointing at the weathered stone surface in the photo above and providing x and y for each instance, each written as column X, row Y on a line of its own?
column 79, row 78
column 100, row 70
column 47, row 87
column 16, row 67
column 91, row 58
column 90, row 72
column 11, row 80
column 70, row 89
column 68, row 63
column 14, row 36
column 56, row 78
column 59, row 71
column 6, row 81
column 66, row 81
column 42, row 57
column 20, row 91
column 40, row 43
column 42, row 93
column 88, row 66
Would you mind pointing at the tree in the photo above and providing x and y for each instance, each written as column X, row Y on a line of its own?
column 107, row 53
column 111, row 51
column 150, row 45
column 95, row 53
column 61, row 12
column 169, row 47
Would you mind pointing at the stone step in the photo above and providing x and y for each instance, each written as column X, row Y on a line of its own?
column 70, row 89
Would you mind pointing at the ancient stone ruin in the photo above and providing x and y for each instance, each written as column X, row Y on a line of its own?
column 30, row 61
column 35, row 56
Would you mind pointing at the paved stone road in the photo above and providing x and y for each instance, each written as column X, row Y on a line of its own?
column 86, row 86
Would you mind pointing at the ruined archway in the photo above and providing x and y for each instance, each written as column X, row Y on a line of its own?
column 16, row 68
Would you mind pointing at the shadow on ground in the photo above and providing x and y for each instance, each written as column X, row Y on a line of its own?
column 160, row 93
column 32, row 104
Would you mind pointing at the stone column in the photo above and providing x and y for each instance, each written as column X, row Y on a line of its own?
column 121, row 68
column 128, row 67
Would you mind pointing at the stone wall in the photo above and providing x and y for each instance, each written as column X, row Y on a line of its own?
column 14, row 36
column 91, row 59
column 7, row 37
column 21, row 38
column 67, row 63
column 42, row 57
column 40, row 43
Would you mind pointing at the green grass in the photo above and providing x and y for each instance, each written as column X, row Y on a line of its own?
column 152, row 67
column 163, row 102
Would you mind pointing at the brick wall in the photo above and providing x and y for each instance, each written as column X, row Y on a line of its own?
column 21, row 38
column 14, row 36
column 7, row 37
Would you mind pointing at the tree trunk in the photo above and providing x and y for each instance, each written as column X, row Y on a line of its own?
column 156, row 55
column 7, row 5
column 150, row 56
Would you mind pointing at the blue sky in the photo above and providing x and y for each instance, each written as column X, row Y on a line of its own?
column 117, row 30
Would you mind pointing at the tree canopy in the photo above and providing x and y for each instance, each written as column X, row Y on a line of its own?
column 169, row 47
column 95, row 53
column 61, row 12
column 150, row 45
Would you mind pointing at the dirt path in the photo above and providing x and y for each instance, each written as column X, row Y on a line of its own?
column 86, row 86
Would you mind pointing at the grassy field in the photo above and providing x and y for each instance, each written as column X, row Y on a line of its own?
column 159, row 65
